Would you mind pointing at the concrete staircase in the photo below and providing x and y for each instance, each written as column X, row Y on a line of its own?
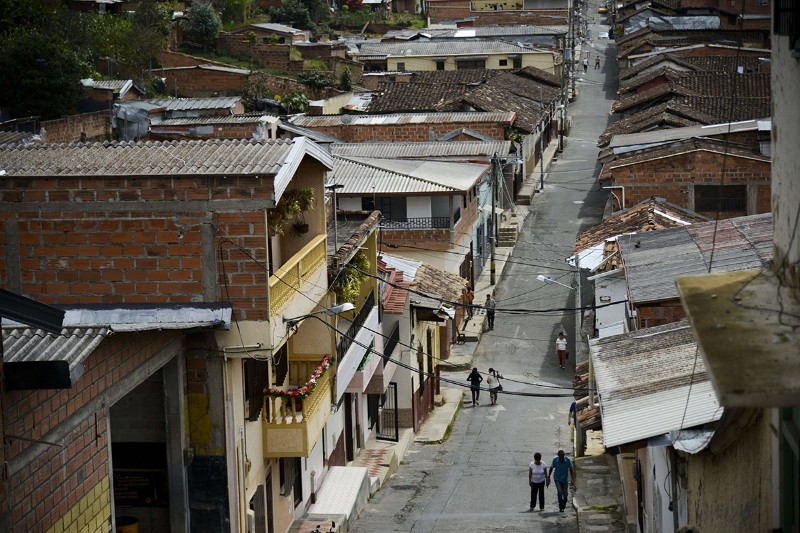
column 507, row 236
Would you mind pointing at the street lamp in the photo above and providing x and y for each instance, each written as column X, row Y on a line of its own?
column 335, row 310
column 549, row 279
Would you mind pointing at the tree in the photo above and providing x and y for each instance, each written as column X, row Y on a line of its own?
column 345, row 80
column 204, row 22
column 236, row 10
column 294, row 13
column 149, row 32
column 41, row 76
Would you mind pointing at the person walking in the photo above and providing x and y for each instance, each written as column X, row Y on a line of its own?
column 470, row 299
column 475, row 379
column 597, row 62
column 562, row 473
column 490, row 304
column 493, row 384
column 561, row 349
column 585, row 64
column 538, row 479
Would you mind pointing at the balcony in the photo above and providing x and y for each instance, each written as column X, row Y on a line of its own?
column 385, row 372
column 416, row 223
column 297, row 287
column 351, row 354
column 292, row 424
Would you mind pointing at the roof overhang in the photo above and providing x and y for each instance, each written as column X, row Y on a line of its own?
column 746, row 324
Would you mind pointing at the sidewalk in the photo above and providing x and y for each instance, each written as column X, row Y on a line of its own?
column 598, row 495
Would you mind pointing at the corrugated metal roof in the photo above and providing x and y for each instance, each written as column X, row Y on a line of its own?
column 108, row 85
column 423, row 149
column 146, row 317
column 251, row 118
column 207, row 157
column 403, row 118
column 654, row 259
column 311, row 134
column 74, row 345
column 405, row 176
column 407, row 266
column 672, row 134
column 644, row 380
column 442, row 48
column 271, row 26
column 186, row 104
column 14, row 136
column 478, row 31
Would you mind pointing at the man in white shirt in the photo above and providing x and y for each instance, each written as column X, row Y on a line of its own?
column 561, row 349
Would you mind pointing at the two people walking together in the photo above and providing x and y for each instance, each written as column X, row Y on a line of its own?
column 492, row 383
column 562, row 473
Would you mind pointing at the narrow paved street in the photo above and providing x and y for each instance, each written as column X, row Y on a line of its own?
column 477, row 480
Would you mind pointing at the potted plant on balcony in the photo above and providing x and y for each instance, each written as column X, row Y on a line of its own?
column 290, row 208
column 348, row 283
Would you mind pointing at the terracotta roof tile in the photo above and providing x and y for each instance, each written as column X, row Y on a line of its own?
column 648, row 215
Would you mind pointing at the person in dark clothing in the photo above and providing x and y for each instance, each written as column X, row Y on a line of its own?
column 490, row 304
column 475, row 379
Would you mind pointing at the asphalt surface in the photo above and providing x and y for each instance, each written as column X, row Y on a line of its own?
column 477, row 480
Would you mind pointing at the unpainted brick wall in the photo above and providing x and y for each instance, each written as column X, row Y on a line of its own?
column 408, row 132
column 102, row 252
column 199, row 83
column 46, row 488
column 658, row 314
column 95, row 126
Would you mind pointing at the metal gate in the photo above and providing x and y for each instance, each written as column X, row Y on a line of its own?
column 387, row 415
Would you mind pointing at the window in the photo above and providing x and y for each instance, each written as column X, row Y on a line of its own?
column 291, row 478
column 723, row 198
column 256, row 379
column 466, row 64
column 401, row 66
column 763, row 2
column 391, row 207
column 440, row 65
column 504, row 62
column 518, row 62
column 786, row 21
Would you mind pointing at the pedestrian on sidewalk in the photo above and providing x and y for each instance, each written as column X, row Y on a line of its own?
column 493, row 384
column 470, row 299
column 490, row 304
column 585, row 64
column 475, row 379
column 561, row 349
column 562, row 473
column 538, row 480
column 597, row 62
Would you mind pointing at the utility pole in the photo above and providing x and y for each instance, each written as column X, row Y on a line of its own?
column 541, row 144
column 492, row 271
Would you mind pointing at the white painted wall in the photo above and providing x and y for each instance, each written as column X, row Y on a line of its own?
column 612, row 286
column 418, row 206
column 658, row 488
column 349, row 203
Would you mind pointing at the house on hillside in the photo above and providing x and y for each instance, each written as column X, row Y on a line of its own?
column 455, row 55
column 429, row 208
column 715, row 178
column 157, row 239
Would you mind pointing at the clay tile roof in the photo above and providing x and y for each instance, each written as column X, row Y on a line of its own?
column 668, row 114
column 461, row 77
column 414, row 98
column 650, row 215
column 636, row 69
column 394, row 301
column 540, row 75
column 439, row 284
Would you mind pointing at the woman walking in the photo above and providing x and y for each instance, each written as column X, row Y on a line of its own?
column 493, row 384
column 537, row 478
column 475, row 379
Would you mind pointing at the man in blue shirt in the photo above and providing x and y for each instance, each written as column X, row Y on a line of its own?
column 562, row 472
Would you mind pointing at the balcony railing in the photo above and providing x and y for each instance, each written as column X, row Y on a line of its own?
column 287, row 282
column 347, row 340
column 391, row 342
column 292, row 424
column 416, row 223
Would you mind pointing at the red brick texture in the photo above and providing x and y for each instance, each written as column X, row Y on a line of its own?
column 443, row 10
column 199, row 83
column 104, row 248
column 409, row 132
column 674, row 178
column 95, row 126
column 43, row 487
column 658, row 314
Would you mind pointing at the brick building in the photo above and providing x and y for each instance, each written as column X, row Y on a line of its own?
column 140, row 244
column 202, row 81
column 706, row 176
column 414, row 127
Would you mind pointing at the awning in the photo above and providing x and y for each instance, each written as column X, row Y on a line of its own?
column 471, row 58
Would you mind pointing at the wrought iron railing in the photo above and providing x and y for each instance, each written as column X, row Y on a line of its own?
column 416, row 223
column 347, row 340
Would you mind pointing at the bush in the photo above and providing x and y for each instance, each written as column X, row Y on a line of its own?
column 316, row 79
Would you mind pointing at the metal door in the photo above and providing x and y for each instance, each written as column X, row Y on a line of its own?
column 387, row 415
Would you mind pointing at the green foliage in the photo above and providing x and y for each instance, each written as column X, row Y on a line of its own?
column 347, row 285
column 41, row 76
column 274, row 39
column 204, row 22
column 314, row 64
column 294, row 13
column 316, row 79
column 236, row 11
column 296, row 102
column 290, row 209
column 346, row 80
